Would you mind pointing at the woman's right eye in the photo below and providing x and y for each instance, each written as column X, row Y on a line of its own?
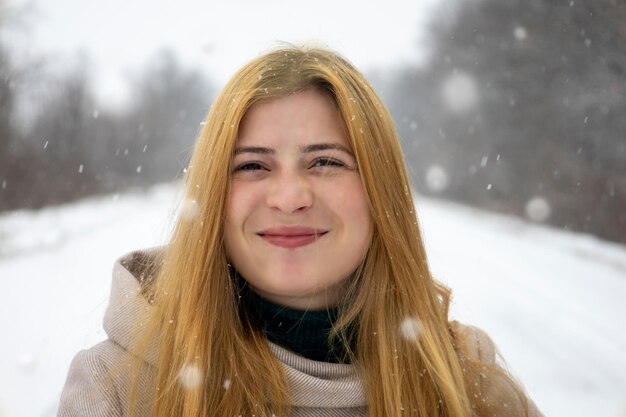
column 248, row 166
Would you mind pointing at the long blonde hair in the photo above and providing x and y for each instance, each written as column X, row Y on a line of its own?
column 196, row 314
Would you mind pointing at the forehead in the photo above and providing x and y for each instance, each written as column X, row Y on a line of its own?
column 301, row 118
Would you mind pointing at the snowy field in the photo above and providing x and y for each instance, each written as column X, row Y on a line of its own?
column 551, row 300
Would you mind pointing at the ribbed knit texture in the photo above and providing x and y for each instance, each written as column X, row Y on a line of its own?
column 322, row 388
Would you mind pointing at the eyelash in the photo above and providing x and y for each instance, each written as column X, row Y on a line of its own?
column 328, row 162
column 325, row 162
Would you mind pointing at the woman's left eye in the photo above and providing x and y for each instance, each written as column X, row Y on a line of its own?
column 326, row 162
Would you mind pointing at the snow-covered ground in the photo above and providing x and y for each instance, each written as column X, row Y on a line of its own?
column 553, row 301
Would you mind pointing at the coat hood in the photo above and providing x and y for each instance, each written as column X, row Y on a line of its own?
column 313, row 383
column 127, row 303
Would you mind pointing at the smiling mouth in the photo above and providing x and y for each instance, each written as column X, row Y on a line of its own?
column 292, row 237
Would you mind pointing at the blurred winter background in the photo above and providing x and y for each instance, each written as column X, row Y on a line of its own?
column 513, row 121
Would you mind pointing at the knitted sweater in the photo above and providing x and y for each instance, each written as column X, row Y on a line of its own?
column 98, row 381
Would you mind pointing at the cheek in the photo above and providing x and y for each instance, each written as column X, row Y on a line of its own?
column 352, row 206
column 356, row 201
column 239, row 207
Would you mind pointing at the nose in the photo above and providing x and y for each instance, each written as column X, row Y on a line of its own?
column 290, row 193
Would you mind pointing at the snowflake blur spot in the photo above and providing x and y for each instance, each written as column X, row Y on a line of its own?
column 190, row 377
column 413, row 125
column 80, row 169
column 138, row 169
column 410, row 329
column 520, row 33
column 436, row 178
column 26, row 361
column 538, row 209
column 45, row 145
column 4, row 184
column 189, row 210
column 95, row 114
column 226, row 384
column 489, row 186
column 460, row 92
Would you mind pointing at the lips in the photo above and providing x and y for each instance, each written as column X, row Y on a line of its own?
column 292, row 237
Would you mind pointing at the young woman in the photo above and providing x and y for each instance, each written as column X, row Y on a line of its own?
column 296, row 281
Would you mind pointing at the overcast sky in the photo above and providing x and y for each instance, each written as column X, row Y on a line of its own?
column 219, row 36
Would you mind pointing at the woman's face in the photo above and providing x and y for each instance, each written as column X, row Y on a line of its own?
column 298, row 222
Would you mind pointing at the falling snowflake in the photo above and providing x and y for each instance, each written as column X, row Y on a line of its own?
column 520, row 33
column 538, row 209
column 189, row 210
column 190, row 377
column 460, row 92
column 436, row 178
column 410, row 329
column 27, row 361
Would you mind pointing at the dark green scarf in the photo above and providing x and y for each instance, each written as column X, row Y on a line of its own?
column 302, row 332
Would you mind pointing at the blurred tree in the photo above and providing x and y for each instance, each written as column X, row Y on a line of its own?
column 60, row 140
column 7, row 103
column 526, row 102
column 9, row 134
column 170, row 102
column 72, row 148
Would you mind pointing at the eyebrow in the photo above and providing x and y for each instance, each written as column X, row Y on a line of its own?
column 315, row 147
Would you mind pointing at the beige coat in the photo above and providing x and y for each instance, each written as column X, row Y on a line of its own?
column 98, row 381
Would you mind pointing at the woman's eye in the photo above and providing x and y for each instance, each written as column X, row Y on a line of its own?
column 248, row 166
column 327, row 162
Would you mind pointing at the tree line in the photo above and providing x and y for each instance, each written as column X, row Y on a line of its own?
column 72, row 147
column 519, row 110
